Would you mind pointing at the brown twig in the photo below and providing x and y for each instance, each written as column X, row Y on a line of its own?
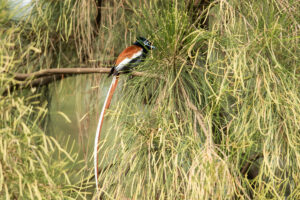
column 59, row 71
column 71, row 71
column 46, row 76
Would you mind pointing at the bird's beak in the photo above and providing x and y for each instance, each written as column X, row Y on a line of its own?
column 152, row 47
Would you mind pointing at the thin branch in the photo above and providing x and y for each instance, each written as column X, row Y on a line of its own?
column 59, row 71
column 47, row 76
column 71, row 71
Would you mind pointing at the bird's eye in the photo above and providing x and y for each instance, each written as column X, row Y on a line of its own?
column 146, row 43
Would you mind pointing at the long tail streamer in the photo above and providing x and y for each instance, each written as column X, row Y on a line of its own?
column 106, row 104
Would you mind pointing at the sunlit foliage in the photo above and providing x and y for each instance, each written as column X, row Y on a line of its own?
column 220, row 121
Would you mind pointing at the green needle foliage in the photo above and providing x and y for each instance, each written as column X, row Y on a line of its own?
column 222, row 122
column 32, row 164
column 215, row 115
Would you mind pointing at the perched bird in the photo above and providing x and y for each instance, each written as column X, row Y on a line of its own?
column 131, row 56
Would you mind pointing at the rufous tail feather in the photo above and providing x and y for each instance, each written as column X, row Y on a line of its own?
column 106, row 104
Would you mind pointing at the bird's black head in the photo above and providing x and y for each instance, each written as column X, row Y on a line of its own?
column 144, row 43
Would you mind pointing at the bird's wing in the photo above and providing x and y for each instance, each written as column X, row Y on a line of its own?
column 127, row 55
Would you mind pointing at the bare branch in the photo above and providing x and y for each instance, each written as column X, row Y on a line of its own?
column 46, row 76
column 59, row 71
column 71, row 71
